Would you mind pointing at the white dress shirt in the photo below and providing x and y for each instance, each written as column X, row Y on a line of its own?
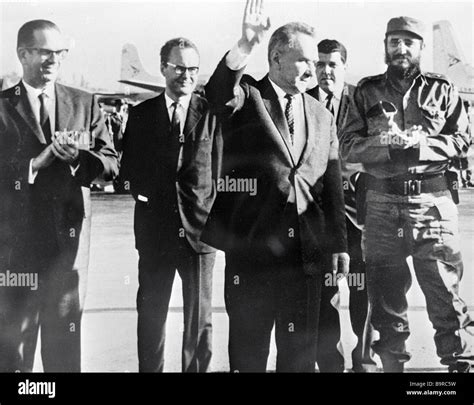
column 299, row 136
column 183, row 107
column 50, row 102
column 336, row 101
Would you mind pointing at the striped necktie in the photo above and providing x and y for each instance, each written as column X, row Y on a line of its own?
column 290, row 117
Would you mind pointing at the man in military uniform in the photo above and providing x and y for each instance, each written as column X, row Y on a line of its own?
column 405, row 127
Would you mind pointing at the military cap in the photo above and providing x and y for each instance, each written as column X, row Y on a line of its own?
column 407, row 24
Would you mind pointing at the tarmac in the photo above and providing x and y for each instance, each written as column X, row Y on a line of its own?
column 109, row 321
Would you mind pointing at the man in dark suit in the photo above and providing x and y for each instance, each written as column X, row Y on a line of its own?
column 279, row 238
column 170, row 158
column 45, row 209
column 336, row 95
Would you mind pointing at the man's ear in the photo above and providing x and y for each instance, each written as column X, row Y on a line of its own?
column 162, row 68
column 21, row 53
column 423, row 44
column 275, row 57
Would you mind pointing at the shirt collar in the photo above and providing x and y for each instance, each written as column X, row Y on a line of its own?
column 323, row 95
column 184, row 102
column 279, row 91
column 33, row 92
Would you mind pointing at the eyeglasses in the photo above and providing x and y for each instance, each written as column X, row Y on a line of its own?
column 47, row 53
column 181, row 70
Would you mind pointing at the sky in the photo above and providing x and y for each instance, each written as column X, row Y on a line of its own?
column 100, row 28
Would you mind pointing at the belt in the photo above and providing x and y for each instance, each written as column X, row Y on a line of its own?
column 410, row 185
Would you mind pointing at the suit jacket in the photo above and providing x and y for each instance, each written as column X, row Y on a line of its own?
column 186, row 189
column 51, row 216
column 256, row 139
column 346, row 97
column 349, row 170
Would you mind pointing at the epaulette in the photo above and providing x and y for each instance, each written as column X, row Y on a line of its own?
column 438, row 76
column 370, row 79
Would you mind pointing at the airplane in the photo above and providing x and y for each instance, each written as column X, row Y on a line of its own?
column 449, row 60
column 133, row 73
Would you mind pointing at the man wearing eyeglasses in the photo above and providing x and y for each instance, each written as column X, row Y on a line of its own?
column 53, row 143
column 170, row 159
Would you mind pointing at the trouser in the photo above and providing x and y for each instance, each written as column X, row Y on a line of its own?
column 329, row 357
column 259, row 296
column 425, row 227
column 56, row 305
column 156, row 276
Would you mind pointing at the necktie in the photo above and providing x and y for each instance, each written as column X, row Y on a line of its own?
column 290, row 117
column 329, row 104
column 175, row 122
column 44, row 118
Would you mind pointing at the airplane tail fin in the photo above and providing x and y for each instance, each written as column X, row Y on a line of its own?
column 446, row 50
column 132, row 68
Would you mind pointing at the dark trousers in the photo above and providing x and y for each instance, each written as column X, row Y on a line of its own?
column 56, row 306
column 156, row 275
column 260, row 295
column 426, row 227
column 329, row 358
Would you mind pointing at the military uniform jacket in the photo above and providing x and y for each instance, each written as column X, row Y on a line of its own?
column 431, row 104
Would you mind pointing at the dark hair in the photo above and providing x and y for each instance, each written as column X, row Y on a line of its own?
column 175, row 42
column 330, row 46
column 283, row 35
column 27, row 31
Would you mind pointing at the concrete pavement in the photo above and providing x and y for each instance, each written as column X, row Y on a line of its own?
column 109, row 322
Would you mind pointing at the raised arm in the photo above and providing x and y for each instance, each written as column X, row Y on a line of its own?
column 223, row 87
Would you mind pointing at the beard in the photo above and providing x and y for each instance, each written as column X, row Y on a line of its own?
column 400, row 72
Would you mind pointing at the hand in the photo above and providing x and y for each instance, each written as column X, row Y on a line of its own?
column 43, row 160
column 340, row 263
column 403, row 140
column 65, row 148
column 254, row 25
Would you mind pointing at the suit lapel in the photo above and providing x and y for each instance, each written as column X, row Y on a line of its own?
column 270, row 100
column 63, row 109
column 161, row 119
column 316, row 92
column 193, row 116
column 310, row 114
column 343, row 106
column 23, row 107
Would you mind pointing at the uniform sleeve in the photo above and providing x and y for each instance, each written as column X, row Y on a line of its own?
column 356, row 145
column 454, row 139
